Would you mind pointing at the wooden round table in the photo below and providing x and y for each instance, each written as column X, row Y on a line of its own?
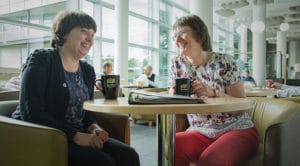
column 260, row 92
column 166, row 116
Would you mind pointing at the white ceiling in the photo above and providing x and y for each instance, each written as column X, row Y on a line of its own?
column 277, row 11
column 274, row 9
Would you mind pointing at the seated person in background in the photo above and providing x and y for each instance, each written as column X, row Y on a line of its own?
column 14, row 83
column 147, row 79
column 55, row 84
column 286, row 90
column 247, row 79
column 107, row 70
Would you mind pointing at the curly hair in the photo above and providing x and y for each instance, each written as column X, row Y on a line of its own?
column 65, row 21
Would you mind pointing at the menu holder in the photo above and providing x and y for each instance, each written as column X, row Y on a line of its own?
column 142, row 97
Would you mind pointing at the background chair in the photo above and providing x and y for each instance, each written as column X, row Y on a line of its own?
column 9, row 95
column 277, row 122
column 294, row 99
column 23, row 143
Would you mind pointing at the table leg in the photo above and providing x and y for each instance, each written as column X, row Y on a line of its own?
column 165, row 139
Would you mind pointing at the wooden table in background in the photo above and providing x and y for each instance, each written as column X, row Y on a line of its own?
column 260, row 92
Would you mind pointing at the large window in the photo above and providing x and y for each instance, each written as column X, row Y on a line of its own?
column 108, row 23
column 139, row 31
column 149, row 33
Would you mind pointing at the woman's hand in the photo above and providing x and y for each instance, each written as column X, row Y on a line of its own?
column 89, row 140
column 199, row 89
column 96, row 141
column 99, row 135
column 276, row 85
column 102, row 134
column 82, row 139
column 172, row 90
column 98, row 86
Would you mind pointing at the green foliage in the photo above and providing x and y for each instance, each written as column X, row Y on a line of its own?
column 145, row 62
column 250, row 62
column 132, row 62
column 240, row 64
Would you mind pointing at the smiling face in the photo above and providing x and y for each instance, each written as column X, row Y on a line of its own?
column 188, row 46
column 192, row 38
column 183, row 39
column 79, row 41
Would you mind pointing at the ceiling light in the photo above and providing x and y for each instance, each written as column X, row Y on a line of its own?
column 258, row 26
column 235, row 4
column 225, row 12
column 267, row 1
column 94, row 1
column 284, row 26
column 274, row 20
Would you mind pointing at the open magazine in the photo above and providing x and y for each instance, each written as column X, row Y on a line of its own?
column 142, row 97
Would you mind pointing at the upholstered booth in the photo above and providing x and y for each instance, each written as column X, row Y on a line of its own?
column 294, row 99
column 23, row 143
column 277, row 122
column 9, row 95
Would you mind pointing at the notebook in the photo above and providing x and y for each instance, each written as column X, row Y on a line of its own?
column 142, row 97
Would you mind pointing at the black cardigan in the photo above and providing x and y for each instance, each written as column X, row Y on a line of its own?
column 44, row 93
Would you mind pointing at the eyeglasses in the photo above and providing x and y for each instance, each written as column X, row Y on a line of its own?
column 180, row 34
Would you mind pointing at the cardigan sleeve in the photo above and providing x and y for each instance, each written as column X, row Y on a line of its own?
column 33, row 100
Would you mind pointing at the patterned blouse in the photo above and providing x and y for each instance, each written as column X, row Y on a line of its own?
column 78, row 94
column 219, row 72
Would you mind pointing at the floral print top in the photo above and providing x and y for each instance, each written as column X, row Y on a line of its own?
column 78, row 94
column 219, row 72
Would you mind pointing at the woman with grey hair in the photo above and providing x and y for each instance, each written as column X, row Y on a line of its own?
column 225, row 138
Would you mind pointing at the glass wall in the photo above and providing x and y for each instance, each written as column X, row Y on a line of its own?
column 27, row 27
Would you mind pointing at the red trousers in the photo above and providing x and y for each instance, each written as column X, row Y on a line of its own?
column 230, row 149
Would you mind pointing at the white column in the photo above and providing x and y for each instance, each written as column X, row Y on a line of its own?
column 74, row 4
column 259, row 44
column 97, row 44
column 203, row 9
column 281, row 54
column 121, row 39
column 294, row 52
column 243, row 42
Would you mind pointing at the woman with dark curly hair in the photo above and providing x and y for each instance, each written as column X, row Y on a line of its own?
column 55, row 84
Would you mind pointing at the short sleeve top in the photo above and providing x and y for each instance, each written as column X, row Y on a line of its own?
column 219, row 72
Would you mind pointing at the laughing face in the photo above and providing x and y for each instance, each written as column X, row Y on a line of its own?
column 188, row 46
column 182, row 39
column 79, row 41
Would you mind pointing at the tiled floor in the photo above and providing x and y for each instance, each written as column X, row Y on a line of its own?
column 143, row 139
